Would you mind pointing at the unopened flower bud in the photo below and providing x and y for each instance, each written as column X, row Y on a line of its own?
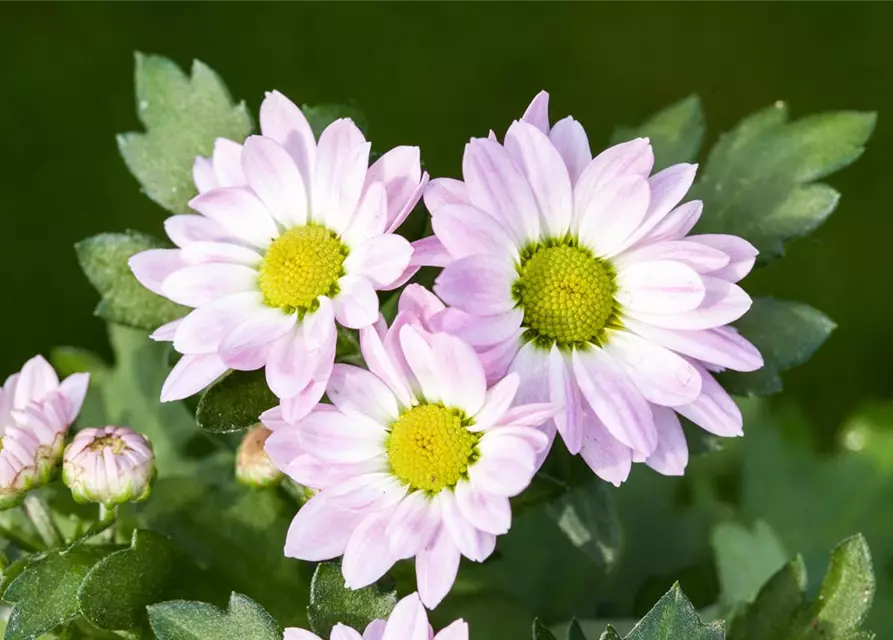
column 109, row 465
column 253, row 466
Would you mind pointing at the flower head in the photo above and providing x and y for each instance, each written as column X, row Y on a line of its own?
column 253, row 466
column 109, row 465
column 578, row 275
column 416, row 457
column 291, row 236
column 36, row 411
column 408, row 621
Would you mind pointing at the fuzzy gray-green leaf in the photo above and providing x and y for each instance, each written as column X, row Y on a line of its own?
column 331, row 602
column 182, row 620
column 235, row 402
column 675, row 132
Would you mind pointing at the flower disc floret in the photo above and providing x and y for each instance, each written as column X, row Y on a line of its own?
column 430, row 447
column 301, row 265
column 566, row 293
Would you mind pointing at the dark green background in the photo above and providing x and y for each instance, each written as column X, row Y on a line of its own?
column 434, row 75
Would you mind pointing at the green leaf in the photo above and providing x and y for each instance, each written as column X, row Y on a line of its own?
column 183, row 117
column 610, row 634
column 786, row 333
column 575, row 632
column 588, row 518
column 235, row 402
column 759, row 181
column 331, row 602
column 672, row 618
column 540, row 632
column 322, row 115
column 45, row 594
column 115, row 593
column 182, row 620
column 675, row 132
column 770, row 615
column 103, row 259
column 745, row 559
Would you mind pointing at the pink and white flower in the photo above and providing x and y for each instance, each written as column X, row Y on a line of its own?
column 291, row 236
column 416, row 457
column 408, row 621
column 36, row 411
column 579, row 275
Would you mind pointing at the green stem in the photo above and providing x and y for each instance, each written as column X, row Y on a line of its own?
column 108, row 520
column 38, row 513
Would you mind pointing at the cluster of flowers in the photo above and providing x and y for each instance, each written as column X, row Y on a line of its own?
column 109, row 465
column 572, row 299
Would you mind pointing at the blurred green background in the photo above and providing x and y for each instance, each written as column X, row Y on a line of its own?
column 434, row 75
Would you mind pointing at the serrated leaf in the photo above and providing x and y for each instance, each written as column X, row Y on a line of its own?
column 575, row 632
column 672, row 618
column 45, row 593
column 786, row 333
column 321, row 116
column 182, row 620
column 610, row 634
column 125, row 301
column 758, row 182
column 331, row 602
column 770, row 615
column 675, row 132
column 116, row 591
column 588, row 518
column 235, row 402
column 745, row 559
column 540, row 632
column 183, row 117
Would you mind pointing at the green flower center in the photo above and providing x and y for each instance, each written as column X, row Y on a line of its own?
column 566, row 293
column 301, row 265
column 430, row 447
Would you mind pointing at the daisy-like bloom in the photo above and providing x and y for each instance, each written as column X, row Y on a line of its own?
column 578, row 274
column 291, row 235
column 408, row 621
column 36, row 411
column 416, row 457
column 109, row 465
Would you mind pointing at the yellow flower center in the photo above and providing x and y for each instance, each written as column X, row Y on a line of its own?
column 566, row 293
column 430, row 447
column 301, row 265
column 114, row 443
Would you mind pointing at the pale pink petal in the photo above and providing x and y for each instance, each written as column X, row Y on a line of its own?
column 290, row 364
column 429, row 252
column 320, row 531
column 274, row 177
column 661, row 376
column 204, row 251
column 367, row 556
column 341, row 163
column 356, row 305
column 615, row 399
column 722, row 347
column 380, row 259
column 400, row 171
column 696, row 255
column 496, row 359
column 370, row 218
column 537, row 112
column 531, row 363
column 36, row 379
column 714, row 410
column 608, row 458
column 74, row 389
column 742, row 254
column 471, row 542
column 466, row 231
column 675, row 224
column 167, row 331
column 544, row 169
column 610, row 216
column 486, row 511
column 629, row 158
column 497, row 402
column 479, row 331
column 668, row 187
column 367, row 493
column 377, row 360
column 458, row 630
column 460, row 376
column 480, row 284
column 496, row 185
column 572, row 143
column 187, row 228
column 537, row 439
column 408, row 621
column 565, row 395
column 226, row 159
column 240, row 213
column 444, row 191
column 192, row 374
column 356, row 391
column 296, row 407
column 341, row 632
column 152, row 267
column 413, row 525
column 263, row 327
column 202, row 330
column 723, row 303
column 318, row 474
column 281, row 120
column 436, row 569
column 320, row 325
column 659, row 287
column 200, row 284
column 203, row 175
column 410, row 204
column 419, row 356
column 671, row 455
column 418, row 300
column 506, row 465
column 335, row 437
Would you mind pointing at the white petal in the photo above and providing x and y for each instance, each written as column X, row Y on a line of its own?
column 356, row 305
column 572, row 143
column 370, row 218
column 436, row 569
column 290, row 364
column 408, row 621
column 226, row 159
column 742, row 254
column 466, row 231
column 671, row 455
column 608, row 458
column 202, row 330
column 460, row 376
column 367, row 493
column 486, row 511
column 537, row 112
column 420, row 357
column 480, row 284
column 610, row 216
column 203, row 251
column 152, row 267
column 239, row 212
column 263, row 327
column 629, row 158
column 333, row 436
column 201, row 284
column 187, row 228
column 356, row 391
column 506, row 465
column 566, row 396
column 444, row 191
column 696, row 255
column 497, row 402
column 320, row 531
column 341, row 163
column 191, row 374
column 413, row 526
column 380, row 259
column 276, row 180
column 714, row 410
column 281, row 120
column 470, row 541
column 320, row 325
column 367, row 556
column 723, row 303
column 659, row 287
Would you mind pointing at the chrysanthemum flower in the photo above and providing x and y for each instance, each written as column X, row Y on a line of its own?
column 292, row 235
column 109, row 465
column 578, row 274
column 36, row 411
column 417, row 457
column 408, row 621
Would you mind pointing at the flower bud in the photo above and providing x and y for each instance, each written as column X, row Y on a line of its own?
column 253, row 466
column 109, row 465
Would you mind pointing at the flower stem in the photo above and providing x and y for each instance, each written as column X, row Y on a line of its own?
column 38, row 513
